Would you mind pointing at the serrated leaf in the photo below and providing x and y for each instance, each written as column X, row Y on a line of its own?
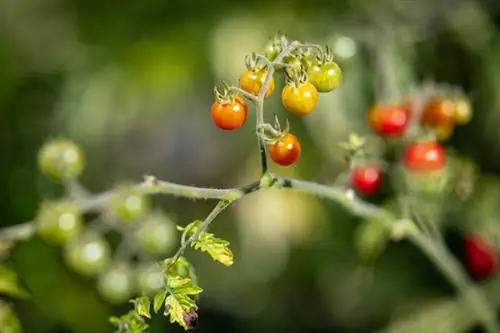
column 143, row 306
column 10, row 284
column 217, row 248
column 159, row 300
column 183, row 286
column 176, row 308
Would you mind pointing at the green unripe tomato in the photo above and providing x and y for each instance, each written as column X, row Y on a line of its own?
column 60, row 159
column 370, row 240
column 129, row 207
column 116, row 284
column 272, row 50
column 88, row 255
column 325, row 77
column 150, row 279
column 156, row 234
column 58, row 222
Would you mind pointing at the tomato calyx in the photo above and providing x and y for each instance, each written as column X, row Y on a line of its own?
column 274, row 47
column 255, row 62
column 224, row 95
column 271, row 134
column 295, row 77
column 325, row 55
column 354, row 148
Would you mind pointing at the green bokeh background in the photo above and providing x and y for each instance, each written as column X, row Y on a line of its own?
column 131, row 82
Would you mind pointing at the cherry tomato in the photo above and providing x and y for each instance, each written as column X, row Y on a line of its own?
column 286, row 150
column 300, row 100
column 129, row 207
column 366, row 179
column 150, row 279
column 88, row 255
column 58, row 222
column 60, row 159
column 389, row 120
column 439, row 112
column 229, row 115
column 480, row 257
column 462, row 112
column 325, row 77
column 157, row 234
column 116, row 284
column 424, row 156
column 251, row 82
column 272, row 50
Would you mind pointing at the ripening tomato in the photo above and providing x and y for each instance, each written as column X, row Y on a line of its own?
column 480, row 257
column 439, row 112
column 325, row 77
column 300, row 100
column 424, row 156
column 251, row 82
column 389, row 120
column 229, row 115
column 462, row 112
column 286, row 150
column 443, row 133
column 366, row 179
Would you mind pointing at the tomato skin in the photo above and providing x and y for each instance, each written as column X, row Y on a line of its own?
column 300, row 100
column 88, row 255
column 286, row 151
column 251, row 82
column 389, row 120
column 116, row 284
column 366, row 179
column 439, row 112
column 58, row 222
column 424, row 156
column 130, row 207
column 480, row 257
column 462, row 112
column 229, row 115
column 325, row 77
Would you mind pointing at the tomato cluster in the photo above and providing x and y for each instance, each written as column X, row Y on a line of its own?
column 307, row 74
column 87, row 250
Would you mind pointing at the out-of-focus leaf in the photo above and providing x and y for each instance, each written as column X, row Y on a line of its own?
column 10, row 284
column 9, row 322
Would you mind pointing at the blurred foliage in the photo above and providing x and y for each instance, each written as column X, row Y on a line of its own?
column 131, row 82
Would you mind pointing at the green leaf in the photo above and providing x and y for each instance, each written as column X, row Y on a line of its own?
column 9, row 322
column 159, row 300
column 10, row 284
column 176, row 306
column 143, row 306
column 183, row 286
column 217, row 248
column 130, row 322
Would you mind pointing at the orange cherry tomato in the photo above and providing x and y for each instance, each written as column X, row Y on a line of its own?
column 229, row 115
column 439, row 112
column 251, row 82
column 300, row 100
column 285, row 151
column 424, row 156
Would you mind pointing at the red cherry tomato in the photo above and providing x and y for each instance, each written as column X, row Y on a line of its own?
column 366, row 179
column 389, row 120
column 229, row 115
column 480, row 257
column 424, row 156
column 285, row 151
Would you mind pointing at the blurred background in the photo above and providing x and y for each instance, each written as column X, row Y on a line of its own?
column 131, row 82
